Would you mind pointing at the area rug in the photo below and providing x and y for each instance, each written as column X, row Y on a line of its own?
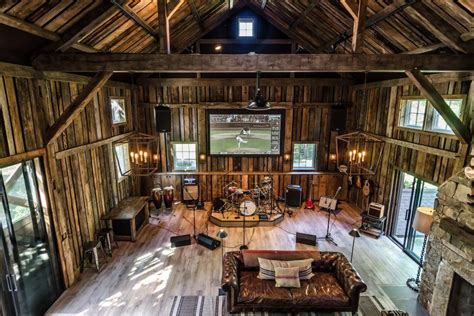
column 217, row 306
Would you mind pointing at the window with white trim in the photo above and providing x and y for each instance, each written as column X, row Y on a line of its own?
column 304, row 156
column 185, row 156
column 414, row 116
column 246, row 27
column 438, row 123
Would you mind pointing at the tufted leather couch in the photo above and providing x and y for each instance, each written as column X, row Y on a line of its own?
column 335, row 287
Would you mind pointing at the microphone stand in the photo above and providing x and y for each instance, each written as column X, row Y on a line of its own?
column 194, row 211
column 328, row 236
column 244, row 246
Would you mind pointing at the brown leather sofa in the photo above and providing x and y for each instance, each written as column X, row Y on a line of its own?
column 336, row 287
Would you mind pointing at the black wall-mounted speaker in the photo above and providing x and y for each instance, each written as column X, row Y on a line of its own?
column 338, row 119
column 293, row 195
column 180, row 240
column 163, row 119
column 208, row 242
column 306, row 239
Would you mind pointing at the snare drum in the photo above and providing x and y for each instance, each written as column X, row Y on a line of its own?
column 157, row 196
column 168, row 196
column 247, row 208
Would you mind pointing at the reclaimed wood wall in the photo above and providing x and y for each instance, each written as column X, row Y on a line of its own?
column 307, row 105
column 380, row 114
column 82, row 186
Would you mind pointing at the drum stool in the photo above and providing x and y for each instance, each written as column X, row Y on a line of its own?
column 106, row 237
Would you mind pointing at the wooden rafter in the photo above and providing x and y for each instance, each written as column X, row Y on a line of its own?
column 441, row 30
column 208, row 27
column 195, row 13
column 467, row 36
column 435, row 98
column 34, row 29
column 264, row 4
column 351, row 7
column 82, row 62
column 381, row 15
column 77, row 105
column 282, row 26
column 359, row 27
column 173, row 6
column 83, row 26
column 135, row 18
column 302, row 16
column 163, row 27
column 426, row 49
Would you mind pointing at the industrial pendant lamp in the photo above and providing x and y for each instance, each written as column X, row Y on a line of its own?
column 258, row 103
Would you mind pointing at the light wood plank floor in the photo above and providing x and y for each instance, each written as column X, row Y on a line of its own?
column 143, row 277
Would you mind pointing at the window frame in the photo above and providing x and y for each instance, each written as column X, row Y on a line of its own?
column 404, row 114
column 430, row 113
column 173, row 154
column 246, row 20
column 122, row 175
column 124, row 109
column 315, row 158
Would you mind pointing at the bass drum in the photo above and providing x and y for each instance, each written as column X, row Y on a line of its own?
column 247, row 208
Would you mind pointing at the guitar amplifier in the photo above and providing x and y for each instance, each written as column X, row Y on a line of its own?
column 376, row 209
column 190, row 193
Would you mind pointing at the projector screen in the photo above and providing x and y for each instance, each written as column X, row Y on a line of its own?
column 241, row 132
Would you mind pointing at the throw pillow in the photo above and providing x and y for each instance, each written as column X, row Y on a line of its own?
column 287, row 277
column 267, row 268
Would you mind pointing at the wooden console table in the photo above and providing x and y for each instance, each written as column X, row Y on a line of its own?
column 128, row 217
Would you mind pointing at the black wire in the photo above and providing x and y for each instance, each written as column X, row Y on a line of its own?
column 285, row 230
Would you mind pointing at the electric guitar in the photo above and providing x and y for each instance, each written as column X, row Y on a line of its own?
column 309, row 204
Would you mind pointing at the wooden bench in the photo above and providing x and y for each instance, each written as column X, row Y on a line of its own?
column 128, row 217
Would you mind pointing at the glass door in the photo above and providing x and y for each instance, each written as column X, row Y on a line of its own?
column 412, row 192
column 30, row 278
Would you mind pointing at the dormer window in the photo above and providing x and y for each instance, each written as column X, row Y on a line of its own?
column 246, row 27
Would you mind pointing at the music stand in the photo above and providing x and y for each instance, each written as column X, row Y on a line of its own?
column 328, row 236
column 243, row 246
column 194, row 211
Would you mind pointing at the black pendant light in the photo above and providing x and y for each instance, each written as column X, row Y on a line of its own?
column 259, row 103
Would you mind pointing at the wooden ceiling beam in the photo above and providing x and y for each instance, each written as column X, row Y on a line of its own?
column 163, row 27
column 265, row 41
column 351, row 7
column 122, row 62
column 439, row 28
column 434, row 97
column 467, row 36
column 77, row 106
column 264, row 4
column 307, row 10
column 34, row 29
column 135, row 18
column 83, row 27
column 359, row 27
column 381, row 15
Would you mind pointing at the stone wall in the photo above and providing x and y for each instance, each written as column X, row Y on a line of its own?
column 447, row 252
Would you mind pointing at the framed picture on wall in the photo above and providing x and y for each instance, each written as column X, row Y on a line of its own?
column 117, row 107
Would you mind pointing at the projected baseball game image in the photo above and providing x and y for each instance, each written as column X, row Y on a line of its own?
column 244, row 134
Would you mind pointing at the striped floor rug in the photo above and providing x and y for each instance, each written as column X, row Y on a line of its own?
column 217, row 306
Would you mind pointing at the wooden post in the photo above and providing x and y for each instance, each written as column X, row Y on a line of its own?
column 359, row 27
column 76, row 107
column 164, row 27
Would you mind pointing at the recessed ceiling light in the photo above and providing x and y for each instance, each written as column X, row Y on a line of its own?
column 218, row 48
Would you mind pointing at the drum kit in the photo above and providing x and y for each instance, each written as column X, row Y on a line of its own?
column 259, row 200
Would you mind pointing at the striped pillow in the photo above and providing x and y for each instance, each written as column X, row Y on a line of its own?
column 287, row 277
column 267, row 268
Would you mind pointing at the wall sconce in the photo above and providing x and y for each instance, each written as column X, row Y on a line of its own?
column 332, row 157
column 202, row 158
column 286, row 157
